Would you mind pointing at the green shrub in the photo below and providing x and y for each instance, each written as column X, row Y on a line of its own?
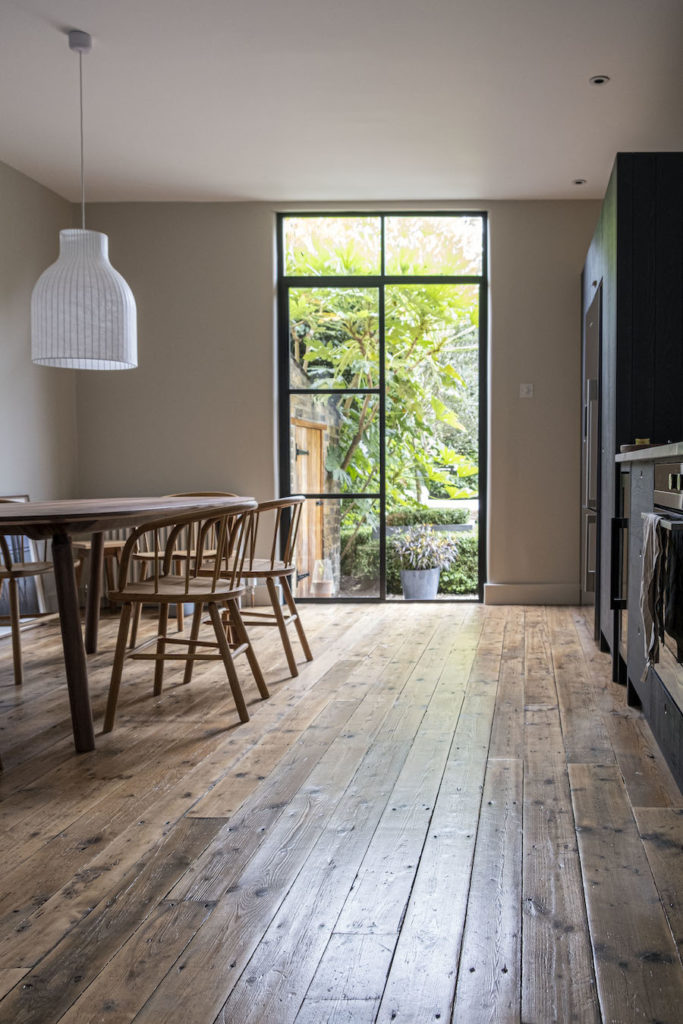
column 393, row 571
column 463, row 576
column 364, row 563
column 427, row 516
column 361, row 561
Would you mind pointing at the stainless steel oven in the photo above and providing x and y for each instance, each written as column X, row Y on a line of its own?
column 668, row 495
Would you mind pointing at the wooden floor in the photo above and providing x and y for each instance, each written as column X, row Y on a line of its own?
column 450, row 815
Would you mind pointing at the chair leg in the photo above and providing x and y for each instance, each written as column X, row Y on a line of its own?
column 117, row 669
column 298, row 625
column 179, row 609
column 161, row 649
column 240, row 631
column 282, row 626
column 136, row 622
column 226, row 653
column 78, row 569
column 227, row 625
column 16, row 631
column 109, row 572
column 192, row 646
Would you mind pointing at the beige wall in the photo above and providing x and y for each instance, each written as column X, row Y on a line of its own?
column 199, row 411
column 37, row 404
column 537, row 253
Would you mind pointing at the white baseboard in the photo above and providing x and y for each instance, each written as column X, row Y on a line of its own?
column 531, row 593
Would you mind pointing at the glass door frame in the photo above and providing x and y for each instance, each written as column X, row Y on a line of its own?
column 379, row 282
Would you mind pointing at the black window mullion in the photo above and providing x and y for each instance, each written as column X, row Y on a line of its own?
column 285, row 469
column 382, row 430
column 482, row 458
column 336, row 495
column 371, row 281
column 333, row 391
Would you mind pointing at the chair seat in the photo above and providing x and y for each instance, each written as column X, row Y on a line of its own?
column 110, row 546
column 264, row 567
column 175, row 589
column 148, row 556
column 20, row 570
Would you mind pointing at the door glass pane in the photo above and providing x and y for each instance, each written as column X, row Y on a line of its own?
column 432, row 414
column 334, row 443
column 338, row 548
column 333, row 337
column 433, row 245
column 339, row 246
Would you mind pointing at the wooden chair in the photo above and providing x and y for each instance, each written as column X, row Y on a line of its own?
column 145, row 556
column 219, row 539
column 12, row 571
column 113, row 545
column 274, row 571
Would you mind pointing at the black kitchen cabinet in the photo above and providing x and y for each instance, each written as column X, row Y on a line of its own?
column 635, row 266
column 658, row 692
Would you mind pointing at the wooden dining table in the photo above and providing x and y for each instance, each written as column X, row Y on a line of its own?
column 59, row 521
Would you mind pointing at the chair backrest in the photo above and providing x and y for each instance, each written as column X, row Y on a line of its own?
column 6, row 559
column 213, row 544
column 287, row 516
column 5, row 555
column 159, row 540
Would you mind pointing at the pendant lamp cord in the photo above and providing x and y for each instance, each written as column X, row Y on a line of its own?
column 80, row 83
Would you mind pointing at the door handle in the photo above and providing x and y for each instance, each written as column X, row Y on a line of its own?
column 589, row 574
column 616, row 600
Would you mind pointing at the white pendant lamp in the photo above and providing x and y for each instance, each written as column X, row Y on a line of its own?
column 83, row 314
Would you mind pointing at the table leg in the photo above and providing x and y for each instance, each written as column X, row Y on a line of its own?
column 94, row 596
column 72, row 641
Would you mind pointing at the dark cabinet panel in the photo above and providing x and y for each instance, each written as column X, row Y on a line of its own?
column 666, row 722
column 636, row 256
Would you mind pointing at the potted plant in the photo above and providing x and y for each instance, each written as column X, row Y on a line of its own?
column 422, row 554
column 322, row 578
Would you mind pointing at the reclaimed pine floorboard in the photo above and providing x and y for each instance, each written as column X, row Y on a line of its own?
column 450, row 814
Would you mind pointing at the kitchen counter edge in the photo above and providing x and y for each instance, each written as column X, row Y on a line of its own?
column 653, row 453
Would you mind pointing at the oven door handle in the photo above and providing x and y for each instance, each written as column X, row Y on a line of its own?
column 616, row 598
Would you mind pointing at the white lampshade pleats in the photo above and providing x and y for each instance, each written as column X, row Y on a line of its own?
column 83, row 313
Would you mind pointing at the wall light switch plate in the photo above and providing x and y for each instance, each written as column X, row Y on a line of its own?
column 526, row 391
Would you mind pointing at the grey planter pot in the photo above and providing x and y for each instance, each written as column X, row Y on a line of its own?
column 420, row 584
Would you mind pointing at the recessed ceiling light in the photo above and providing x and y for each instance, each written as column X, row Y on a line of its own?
column 599, row 80
column 579, row 181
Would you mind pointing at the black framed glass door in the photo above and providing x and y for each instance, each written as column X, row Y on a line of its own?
column 382, row 370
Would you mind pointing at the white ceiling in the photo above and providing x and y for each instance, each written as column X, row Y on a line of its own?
column 293, row 100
